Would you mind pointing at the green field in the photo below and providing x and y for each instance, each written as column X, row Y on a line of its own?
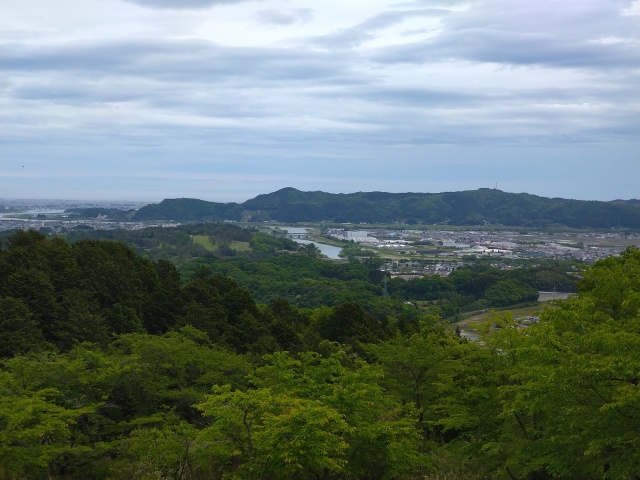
column 473, row 324
column 205, row 242
column 240, row 246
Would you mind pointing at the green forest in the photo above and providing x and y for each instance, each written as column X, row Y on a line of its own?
column 472, row 207
column 265, row 267
column 271, row 363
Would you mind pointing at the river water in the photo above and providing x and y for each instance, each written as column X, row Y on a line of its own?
column 328, row 250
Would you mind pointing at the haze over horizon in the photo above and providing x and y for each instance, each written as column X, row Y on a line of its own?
column 223, row 100
column 125, row 201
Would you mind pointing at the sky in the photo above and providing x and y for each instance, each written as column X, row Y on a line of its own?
column 223, row 100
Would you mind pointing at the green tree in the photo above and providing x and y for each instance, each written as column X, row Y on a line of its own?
column 159, row 446
column 508, row 292
column 35, row 433
column 348, row 323
column 273, row 436
column 19, row 332
column 48, row 404
column 311, row 417
column 78, row 319
column 33, row 288
column 382, row 441
column 559, row 399
column 414, row 366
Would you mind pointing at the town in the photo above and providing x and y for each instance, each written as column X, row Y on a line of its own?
column 406, row 251
column 585, row 247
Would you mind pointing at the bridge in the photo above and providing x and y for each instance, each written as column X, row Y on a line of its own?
column 303, row 236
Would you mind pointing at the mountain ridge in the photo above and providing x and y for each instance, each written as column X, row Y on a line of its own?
column 469, row 207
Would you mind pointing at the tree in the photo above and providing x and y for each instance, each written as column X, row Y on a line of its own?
column 348, row 323
column 310, row 417
column 35, row 433
column 559, row 399
column 166, row 302
column 414, row 366
column 382, row 441
column 273, row 435
column 78, row 319
column 159, row 446
column 509, row 292
column 33, row 288
column 47, row 402
column 19, row 332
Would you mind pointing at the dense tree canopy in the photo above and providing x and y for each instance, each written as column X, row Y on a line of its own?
column 474, row 207
column 115, row 368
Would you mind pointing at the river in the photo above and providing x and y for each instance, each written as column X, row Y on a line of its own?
column 329, row 250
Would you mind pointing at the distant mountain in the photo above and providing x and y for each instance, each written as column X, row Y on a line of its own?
column 473, row 207
column 189, row 209
column 633, row 202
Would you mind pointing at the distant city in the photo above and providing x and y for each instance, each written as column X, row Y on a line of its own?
column 52, row 215
column 503, row 248
column 416, row 251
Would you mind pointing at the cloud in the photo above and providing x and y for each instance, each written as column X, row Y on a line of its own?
column 368, row 29
column 395, row 96
column 178, row 60
column 529, row 33
column 512, row 48
column 285, row 17
column 144, row 92
column 182, row 4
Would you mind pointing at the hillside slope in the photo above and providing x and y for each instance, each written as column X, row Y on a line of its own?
column 473, row 207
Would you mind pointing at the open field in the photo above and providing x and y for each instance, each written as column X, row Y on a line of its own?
column 469, row 327
column 240, row 246
column 548, row 296
column 205, row 242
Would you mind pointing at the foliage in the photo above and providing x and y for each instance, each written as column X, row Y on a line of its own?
column 475, row 207
column 185, row 242
column 312, row 417
column 114, row 367
column 559, row 399
column 188, row 209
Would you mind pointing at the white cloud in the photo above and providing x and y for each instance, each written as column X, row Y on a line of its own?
column 632, row 9
column 367, row 90
column 181, row 4
column 285, row 17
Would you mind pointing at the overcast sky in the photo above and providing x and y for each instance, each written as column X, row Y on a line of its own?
column 226, row 99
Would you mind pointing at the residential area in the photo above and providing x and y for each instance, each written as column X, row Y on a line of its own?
column 586, row 247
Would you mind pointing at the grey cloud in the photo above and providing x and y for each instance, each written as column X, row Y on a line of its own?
column 358, row 34
column 438, row 3
column 185, row 60
column 201, row 81
column 509, row 115
column 192, row 78
column 536, row 49
column 431, row 3
column 490, row 98
column 409, row 97
column 529, row 33
column 181, row 4
column 514, row 49
column 285, row 17
column 62, row 92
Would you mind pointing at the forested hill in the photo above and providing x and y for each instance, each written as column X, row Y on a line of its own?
column 112, row 367
column 189, row 209
column 473, row 207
